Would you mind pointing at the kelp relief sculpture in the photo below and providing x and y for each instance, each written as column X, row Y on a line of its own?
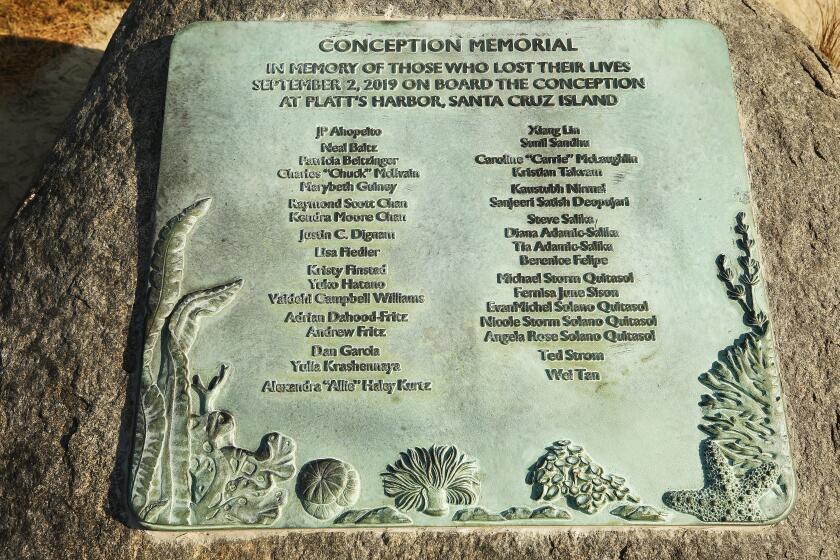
column 186, row 468
column 742, row 457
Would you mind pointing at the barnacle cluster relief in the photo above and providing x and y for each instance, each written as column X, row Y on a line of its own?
column 566, row 470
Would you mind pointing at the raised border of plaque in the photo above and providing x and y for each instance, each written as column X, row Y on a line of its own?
column 209, row 453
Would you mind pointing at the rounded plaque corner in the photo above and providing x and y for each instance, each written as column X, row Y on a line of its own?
column 791, row 495
column 786, row 494
column 711, row 33
column 135, row 519
column 189, row 30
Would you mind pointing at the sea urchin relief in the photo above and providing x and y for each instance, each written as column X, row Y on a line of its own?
column 455, row 273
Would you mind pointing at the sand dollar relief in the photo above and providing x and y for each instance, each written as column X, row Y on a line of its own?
column 326, row 487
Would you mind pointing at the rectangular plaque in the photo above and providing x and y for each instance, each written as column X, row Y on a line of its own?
column 455, row 273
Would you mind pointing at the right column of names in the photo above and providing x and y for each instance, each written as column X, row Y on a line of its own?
column 566, row 298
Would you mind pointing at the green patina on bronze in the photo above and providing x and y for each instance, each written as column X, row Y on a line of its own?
column 460, row 403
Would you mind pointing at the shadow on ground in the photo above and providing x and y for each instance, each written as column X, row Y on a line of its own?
column 33, row 110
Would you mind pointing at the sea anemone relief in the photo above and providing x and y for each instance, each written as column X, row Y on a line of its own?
column 430, row 479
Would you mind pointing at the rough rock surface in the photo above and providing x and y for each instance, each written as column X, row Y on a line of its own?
column 73, row 264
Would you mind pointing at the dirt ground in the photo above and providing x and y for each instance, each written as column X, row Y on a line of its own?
column 804, row 14
column 32, row 111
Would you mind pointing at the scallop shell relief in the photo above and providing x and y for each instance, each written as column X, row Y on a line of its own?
column 566, row 470
column 327, row 486
column 430, row 479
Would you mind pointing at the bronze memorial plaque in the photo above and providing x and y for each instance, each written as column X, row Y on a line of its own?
column 456, row 273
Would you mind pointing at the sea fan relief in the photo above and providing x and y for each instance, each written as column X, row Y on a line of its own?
column 430, row 479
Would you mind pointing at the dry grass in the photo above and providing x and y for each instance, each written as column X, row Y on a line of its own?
column 33, row 31
column 828, row 37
